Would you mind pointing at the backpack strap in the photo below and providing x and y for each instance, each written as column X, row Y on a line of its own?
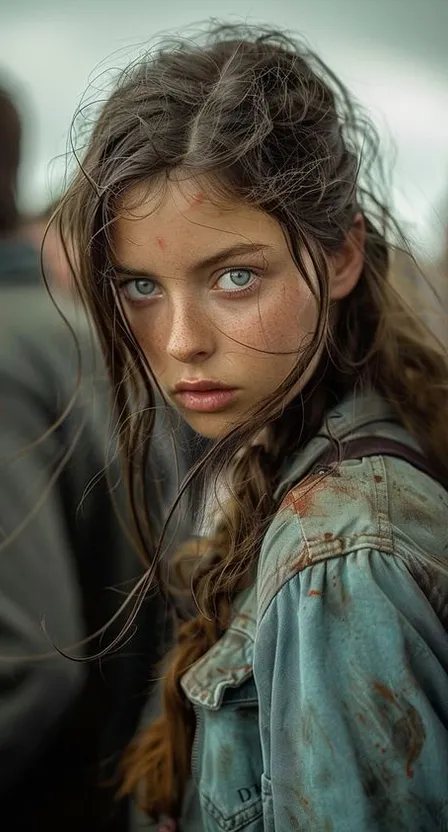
column 376, row 446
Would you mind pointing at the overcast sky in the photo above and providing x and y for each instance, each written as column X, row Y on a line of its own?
column 393, row 54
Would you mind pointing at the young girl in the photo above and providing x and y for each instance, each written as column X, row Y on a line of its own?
column 234, row 249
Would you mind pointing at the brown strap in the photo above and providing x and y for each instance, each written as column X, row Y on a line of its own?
column 376, row 446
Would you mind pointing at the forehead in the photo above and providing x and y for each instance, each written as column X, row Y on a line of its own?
column 186, row 215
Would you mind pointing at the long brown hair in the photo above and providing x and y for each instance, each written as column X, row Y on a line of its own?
column 267, row 121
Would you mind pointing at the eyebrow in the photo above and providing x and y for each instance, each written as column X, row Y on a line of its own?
column 239, row 250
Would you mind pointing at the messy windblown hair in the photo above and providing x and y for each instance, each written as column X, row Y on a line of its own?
column 263, row 117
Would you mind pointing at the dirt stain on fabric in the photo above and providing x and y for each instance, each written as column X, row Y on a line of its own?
column 301, row 500
column 406, row 728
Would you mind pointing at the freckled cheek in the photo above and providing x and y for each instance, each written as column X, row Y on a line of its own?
column 242, row 326
column 152, row 338
column 280, row 324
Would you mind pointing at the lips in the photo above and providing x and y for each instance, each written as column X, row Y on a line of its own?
column 200, row 386
column 204, row 396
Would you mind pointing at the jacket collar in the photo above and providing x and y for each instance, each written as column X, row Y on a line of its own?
column 360, row 414
column 222, row 670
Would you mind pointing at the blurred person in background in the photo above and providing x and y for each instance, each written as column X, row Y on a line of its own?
column 44, row 236
column 66, row 559
column 18, row 261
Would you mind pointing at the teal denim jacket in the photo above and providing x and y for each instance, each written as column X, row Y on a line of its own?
column 325, row 704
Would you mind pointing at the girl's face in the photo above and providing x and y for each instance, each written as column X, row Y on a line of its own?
column 214, row 300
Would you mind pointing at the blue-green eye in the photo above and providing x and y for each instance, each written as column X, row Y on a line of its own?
column 139, row 289
column 235, row 279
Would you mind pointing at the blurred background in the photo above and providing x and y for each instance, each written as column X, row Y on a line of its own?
column 73, row 563
column 392, row 54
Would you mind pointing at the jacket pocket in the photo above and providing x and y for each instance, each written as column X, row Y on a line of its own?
column 227, row 763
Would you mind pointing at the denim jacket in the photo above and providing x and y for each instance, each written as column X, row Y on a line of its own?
column 325, row 704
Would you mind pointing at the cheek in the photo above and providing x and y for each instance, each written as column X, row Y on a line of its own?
column 297, row 314
column 151, row 336
column 279, row 321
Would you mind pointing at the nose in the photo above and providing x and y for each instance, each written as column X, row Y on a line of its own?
column 192, row 337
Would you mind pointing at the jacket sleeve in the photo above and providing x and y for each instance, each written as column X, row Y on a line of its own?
column 39, row 602
column 351, row 667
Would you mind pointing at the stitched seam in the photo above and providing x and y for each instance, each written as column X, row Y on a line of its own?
column 380, row 546
column 235, row 821
column 379, row 473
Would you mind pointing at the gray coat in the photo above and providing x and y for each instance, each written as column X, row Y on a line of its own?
column 65, row 566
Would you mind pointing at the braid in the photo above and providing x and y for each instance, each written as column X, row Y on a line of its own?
column 213, row 570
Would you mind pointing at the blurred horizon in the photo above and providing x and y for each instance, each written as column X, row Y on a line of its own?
column 393, row 58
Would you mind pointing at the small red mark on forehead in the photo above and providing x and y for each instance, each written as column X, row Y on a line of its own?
column 161, row 242
column 197, row 198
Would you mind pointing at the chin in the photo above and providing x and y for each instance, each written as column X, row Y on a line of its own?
column 209, row 425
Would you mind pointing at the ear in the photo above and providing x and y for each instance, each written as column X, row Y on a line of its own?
column 347, row 264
